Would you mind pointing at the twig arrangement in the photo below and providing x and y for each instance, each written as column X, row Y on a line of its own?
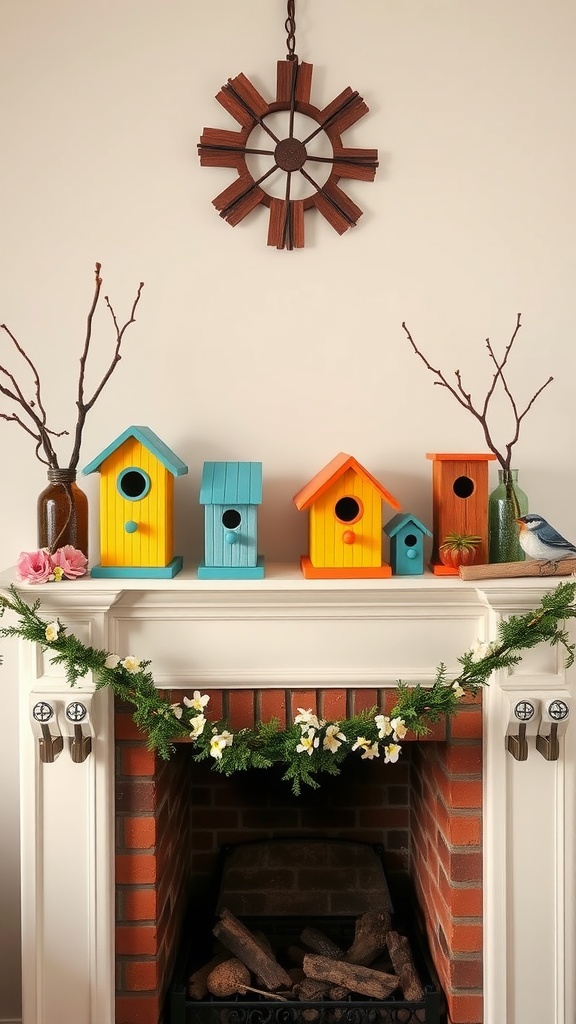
column 480, row 410
column 308, row 747
column 32, row 415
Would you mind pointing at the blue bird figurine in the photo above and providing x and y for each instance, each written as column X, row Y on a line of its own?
column 541, row 541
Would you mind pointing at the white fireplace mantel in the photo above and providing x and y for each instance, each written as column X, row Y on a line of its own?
column 287, row 631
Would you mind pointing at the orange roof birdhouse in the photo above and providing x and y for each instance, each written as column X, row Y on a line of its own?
column 345, row 525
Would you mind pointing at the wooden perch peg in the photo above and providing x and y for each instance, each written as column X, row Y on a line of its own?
column 509, row 570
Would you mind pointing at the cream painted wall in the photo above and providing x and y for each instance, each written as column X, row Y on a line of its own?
column 243, row 352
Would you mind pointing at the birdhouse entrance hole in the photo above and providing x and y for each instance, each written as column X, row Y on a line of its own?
column 133, row 484
column 410, row 540
column 347, row 510
column 463, row 487
column 231, row 519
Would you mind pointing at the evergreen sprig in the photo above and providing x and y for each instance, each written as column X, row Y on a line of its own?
column 307, row 748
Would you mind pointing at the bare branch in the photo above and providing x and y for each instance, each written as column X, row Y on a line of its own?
column 82, row 404
column 464, row 398
column 34, row 409
column 461, row 396
column 17, row 396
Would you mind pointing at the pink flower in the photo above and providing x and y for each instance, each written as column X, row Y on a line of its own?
column 72, row 562
column 34, row 566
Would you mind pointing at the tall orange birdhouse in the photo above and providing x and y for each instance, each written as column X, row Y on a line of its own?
column 345, row 525
column 137, row 506
column 459, row 503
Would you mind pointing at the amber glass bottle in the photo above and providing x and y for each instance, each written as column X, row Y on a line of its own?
column 63, row 513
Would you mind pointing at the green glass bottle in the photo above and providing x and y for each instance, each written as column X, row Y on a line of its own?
column 506, row 503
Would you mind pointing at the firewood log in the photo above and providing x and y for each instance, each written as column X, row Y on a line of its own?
column 197, row 987
column 403, row 963
column 351, row 976
column 320, row 943
column 369, row 937
column 240, row 941
column 296, row 975
column 310, row 991
column 338, row 993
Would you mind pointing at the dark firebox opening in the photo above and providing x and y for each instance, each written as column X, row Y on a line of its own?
column 263, row 892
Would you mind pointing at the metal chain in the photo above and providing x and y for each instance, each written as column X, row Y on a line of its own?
column 290, row 26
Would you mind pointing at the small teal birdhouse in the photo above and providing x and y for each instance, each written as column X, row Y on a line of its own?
column 231, row 493
column 406, row 535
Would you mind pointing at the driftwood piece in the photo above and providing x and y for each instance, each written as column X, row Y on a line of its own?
column 318, row 942
column 240, row 941
column 369, row 937
column 506, row 570
column 351, row 976
column 403, row 963
column 197, row 987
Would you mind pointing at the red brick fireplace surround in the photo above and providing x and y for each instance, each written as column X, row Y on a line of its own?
column 173, row 819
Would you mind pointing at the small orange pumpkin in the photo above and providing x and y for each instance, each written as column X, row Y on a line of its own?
column 458, row 549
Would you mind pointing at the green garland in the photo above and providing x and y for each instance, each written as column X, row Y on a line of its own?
column 308, row 747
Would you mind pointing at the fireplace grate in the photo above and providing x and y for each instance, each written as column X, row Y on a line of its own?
column 242, row 1011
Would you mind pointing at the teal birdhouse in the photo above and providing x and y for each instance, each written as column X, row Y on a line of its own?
column 406, row 535
column 231, row 493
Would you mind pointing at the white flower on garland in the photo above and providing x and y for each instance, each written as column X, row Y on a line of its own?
column 197, row 726
column 219, row 742
column 333, row 738
column 52, row 630
column 112, row 661
column 309, row 741
column 131, row 664
column 392, row 753
column 384, row 726
column 458, row 690
column 399, row 729
column 198, row 701
column 480, row 650
column 369, row 750
column 306, row 719
column 177, row 710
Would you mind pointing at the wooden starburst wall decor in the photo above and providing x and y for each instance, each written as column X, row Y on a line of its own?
column 268, row 150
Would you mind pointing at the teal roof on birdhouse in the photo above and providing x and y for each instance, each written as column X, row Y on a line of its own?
column 231, row 483
column 149, row 440
column 402, row 519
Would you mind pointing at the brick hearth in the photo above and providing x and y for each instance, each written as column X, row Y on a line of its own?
column 173, row 818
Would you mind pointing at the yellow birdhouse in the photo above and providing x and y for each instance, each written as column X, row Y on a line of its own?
column 345, row 526
column 137, row 506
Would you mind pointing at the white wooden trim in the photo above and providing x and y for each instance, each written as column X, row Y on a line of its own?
column 282, row 631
